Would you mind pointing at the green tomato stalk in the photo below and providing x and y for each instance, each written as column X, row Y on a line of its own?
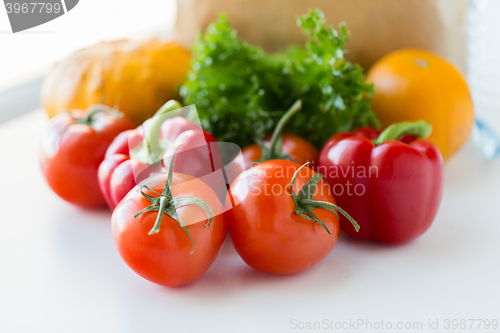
column 168, row 204
column 304, row 202
column 274, row 151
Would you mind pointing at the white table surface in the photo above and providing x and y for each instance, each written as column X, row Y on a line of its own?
column 60, row 272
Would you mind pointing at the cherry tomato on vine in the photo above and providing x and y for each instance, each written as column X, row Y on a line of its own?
column 284, row 219
column 170, row 228
column 72, row 149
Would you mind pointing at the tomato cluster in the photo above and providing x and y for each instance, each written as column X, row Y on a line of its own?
column 169, row 222
column 170, row 230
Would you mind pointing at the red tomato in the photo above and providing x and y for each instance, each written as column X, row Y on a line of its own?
column 167, row 257
column 266, row 229
column 72, row 149
column 298, row 149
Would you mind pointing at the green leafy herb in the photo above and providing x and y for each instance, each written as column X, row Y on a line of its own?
column 241, row 92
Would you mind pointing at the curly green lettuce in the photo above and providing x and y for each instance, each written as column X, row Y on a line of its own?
column 240, row 91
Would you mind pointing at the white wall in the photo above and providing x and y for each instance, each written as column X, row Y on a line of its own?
column 26, row 55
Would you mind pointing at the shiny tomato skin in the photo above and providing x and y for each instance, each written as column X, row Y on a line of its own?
column 71, row 153
column 165, row 258
column 266, row 232
column 298, row 149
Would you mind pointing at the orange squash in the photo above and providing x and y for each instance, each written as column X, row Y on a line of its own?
column 413, row 84
column 135, row 77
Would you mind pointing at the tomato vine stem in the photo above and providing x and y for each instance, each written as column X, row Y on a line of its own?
column 304, row 202
column 166, row 203
column 88, row 117
column 274, row 151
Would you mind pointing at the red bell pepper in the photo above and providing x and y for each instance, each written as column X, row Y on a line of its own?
column 391, row 183
column 138, row 154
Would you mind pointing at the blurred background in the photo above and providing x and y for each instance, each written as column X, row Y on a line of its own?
column 465, row 32
column 27, row 55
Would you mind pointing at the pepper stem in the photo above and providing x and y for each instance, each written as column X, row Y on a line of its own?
column 152, row 136
column 304, row 202
column 274, row 150
column 166, row 203
column 421, row 129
